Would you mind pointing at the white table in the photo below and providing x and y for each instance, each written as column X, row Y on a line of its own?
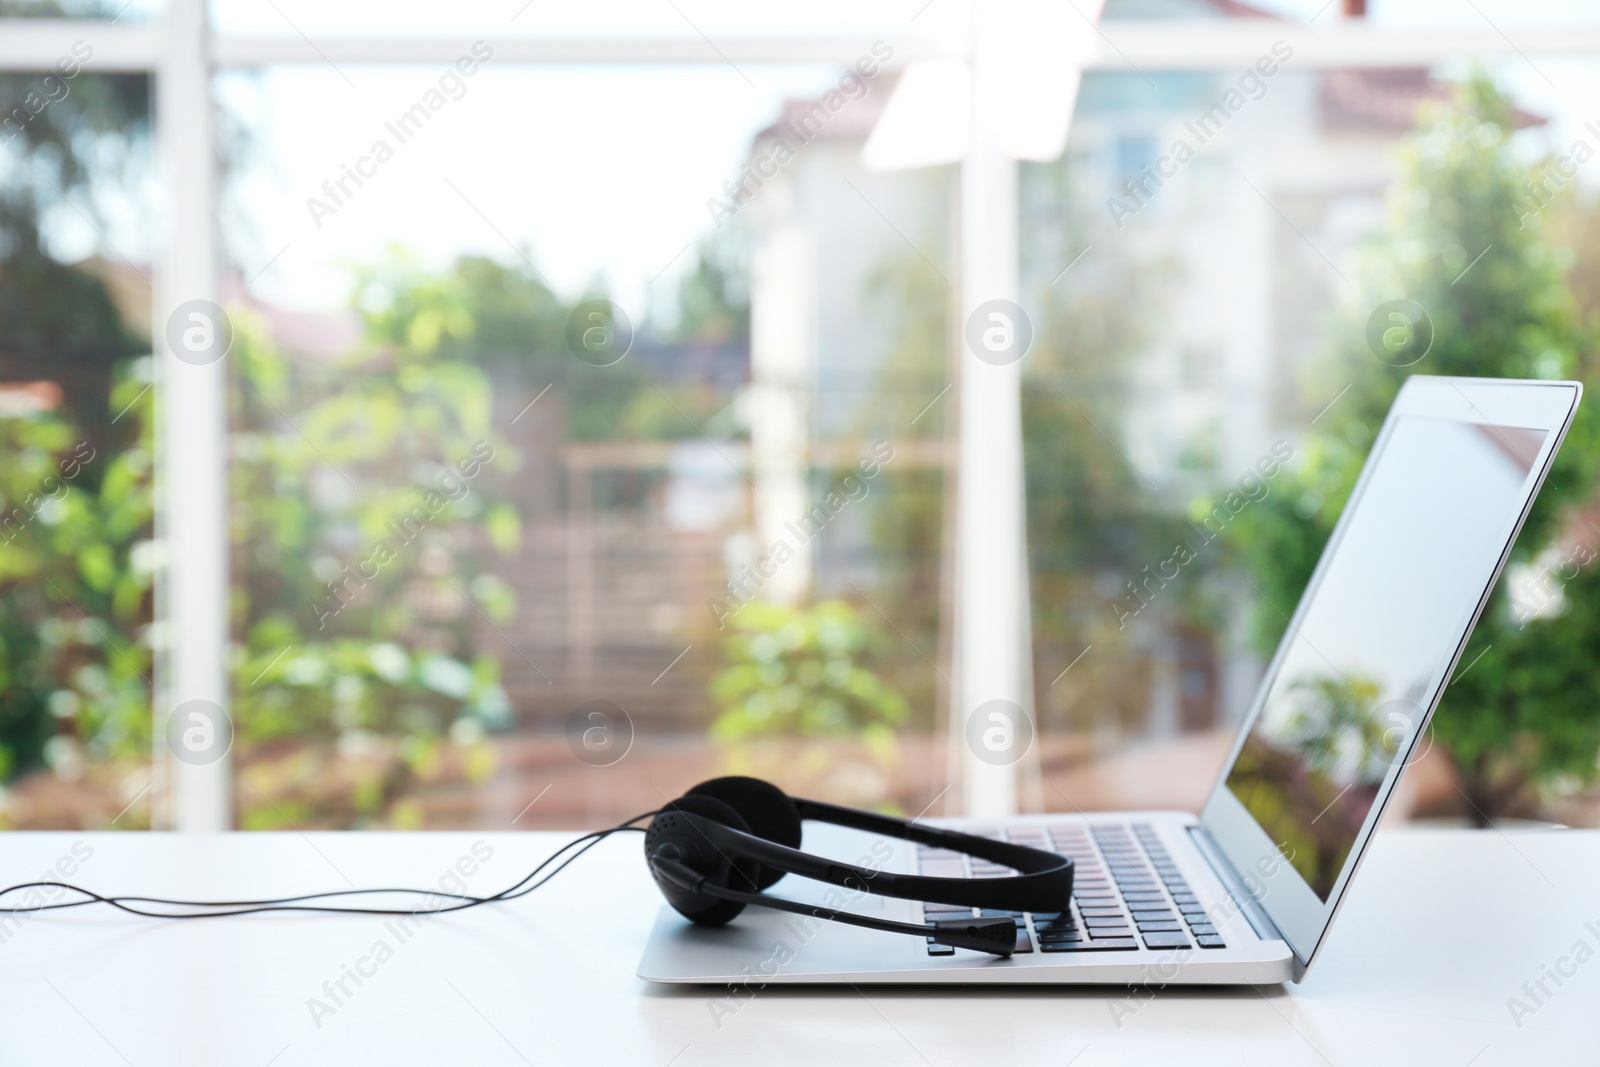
column 1441, row 929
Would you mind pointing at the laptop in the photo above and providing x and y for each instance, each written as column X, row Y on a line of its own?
column 1246, row 890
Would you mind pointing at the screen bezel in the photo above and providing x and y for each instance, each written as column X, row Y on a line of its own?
column 1300, row 916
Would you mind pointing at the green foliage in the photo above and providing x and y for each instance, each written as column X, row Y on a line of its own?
column 487, row 317
column 1334, row 726
column 76, row 560
column 76, row 568
column 370, row 504
column 366, row 524
column 714, row 298
column 363, row 530
column 1516, row 721
column 802, row 672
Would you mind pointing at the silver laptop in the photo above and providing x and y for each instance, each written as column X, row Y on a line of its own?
column 1246, row 890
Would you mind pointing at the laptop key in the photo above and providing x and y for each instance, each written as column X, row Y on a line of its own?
column 1166, row 940
column 1101, row 913
column 1101, row 933
column 1111, row 945
column 1202, row 930
column 1162, row 927
column 1114, row 919
column 1211, row 941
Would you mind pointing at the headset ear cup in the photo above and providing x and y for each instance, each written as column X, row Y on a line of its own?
column 765, row 808
column 680, row 840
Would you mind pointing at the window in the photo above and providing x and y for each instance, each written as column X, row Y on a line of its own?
column 508, row 419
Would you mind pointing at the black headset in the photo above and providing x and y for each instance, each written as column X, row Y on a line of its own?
column 714, row 849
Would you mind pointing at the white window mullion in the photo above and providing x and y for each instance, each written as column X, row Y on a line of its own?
column 192, row 444
column 991, row 658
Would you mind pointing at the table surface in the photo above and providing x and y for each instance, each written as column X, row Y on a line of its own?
column 1441, row 931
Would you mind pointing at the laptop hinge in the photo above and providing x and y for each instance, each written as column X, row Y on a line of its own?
column 1264, row 927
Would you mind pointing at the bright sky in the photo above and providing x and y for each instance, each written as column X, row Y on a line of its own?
column 594, row 173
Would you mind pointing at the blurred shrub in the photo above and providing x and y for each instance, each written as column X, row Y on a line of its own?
column 801, row 672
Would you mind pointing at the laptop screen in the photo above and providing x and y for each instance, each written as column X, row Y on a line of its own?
column 1357, row 672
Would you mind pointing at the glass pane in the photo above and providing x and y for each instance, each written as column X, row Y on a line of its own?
column 581, row 453
column 1235, row 273
column 77, row 558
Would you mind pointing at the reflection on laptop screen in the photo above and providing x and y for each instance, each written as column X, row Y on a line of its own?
column 1361, row 667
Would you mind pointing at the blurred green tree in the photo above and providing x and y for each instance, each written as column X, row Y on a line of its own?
column 75, row 556
column 1094, row 520
column 364, row 527
column 800, row 686
column 76, row 568
column 1514, row 722
column 803, row 672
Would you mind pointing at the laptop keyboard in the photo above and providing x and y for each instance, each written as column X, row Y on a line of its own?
column 1126, row 891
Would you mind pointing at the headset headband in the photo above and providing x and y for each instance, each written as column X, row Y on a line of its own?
column 1044, row 884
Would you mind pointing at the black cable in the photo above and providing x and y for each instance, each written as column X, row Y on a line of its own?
column 251, row 907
